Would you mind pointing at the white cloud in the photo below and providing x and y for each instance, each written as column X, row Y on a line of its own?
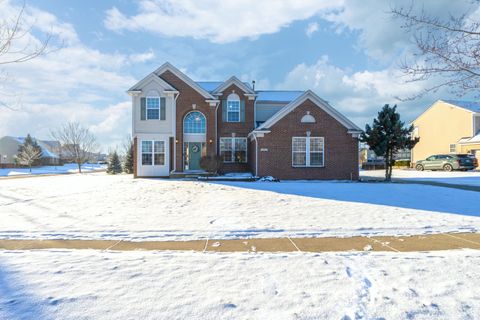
column 311, row 29
column 361, row 94
column 380, row 36
column 71, row 83
column 217, row 21
column 142, row 57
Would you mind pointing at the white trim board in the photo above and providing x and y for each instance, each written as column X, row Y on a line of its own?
column 237, row 82
column 167, row 66
column 319, row 102
column 152, row 77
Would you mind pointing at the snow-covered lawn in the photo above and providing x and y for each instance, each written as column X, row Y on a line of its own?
column 66, row 168
column 100, row 206
column 470, row 178
column 87, row 284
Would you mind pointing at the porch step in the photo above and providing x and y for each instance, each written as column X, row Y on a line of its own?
column 188, row 175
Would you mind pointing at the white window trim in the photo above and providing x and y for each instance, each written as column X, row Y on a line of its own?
column 307, row 153
column 153, row 153
column 454, row 147
column 238, row 112
column 147, row 108
column 232, row 159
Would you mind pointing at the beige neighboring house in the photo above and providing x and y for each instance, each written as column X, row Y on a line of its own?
column 447, row 126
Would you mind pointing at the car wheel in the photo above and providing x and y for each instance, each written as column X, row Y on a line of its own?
column 419, row 167
column 447, row 167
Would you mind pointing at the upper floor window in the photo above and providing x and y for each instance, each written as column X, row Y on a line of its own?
column 307, row 151
column 194, row 122
column 233, row 108
column 153, row 108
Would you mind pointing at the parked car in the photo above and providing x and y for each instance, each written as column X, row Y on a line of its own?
column 447, row 162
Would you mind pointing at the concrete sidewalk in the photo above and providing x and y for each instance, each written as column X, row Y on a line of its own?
column 432, row 242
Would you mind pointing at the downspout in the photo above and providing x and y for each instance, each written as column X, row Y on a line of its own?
column 216, row 127
column 256, row 154
column 175, row 131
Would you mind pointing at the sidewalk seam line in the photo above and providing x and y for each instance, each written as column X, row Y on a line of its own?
column 460, row 238
column 384, row 244
column 294, row 244
column 113, row 245
column 206, row 245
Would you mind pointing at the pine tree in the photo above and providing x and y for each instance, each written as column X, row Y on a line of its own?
column 29, row 153
column 128, row 163
column 114, row 165
column 387, row 136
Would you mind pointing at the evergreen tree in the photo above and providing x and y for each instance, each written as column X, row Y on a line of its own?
column 128, row 163
column 387, row 136
column 114, row 165
column 29, row 152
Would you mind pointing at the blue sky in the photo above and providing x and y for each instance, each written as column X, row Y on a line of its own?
column 347, row 51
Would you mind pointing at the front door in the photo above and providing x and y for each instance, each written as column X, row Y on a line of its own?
column 194, row 155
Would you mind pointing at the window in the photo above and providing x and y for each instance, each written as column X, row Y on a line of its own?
column 194, row 122
column 299, row 151
column 233, row 149
column 147, row 153
column 153, row 153
column 307, row 151
column 159, row 153
column 233, row 108
column 453, row 148
column 153, row 108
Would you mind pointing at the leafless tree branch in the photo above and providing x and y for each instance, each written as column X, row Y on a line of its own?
column 447, row 50
column 77, row 143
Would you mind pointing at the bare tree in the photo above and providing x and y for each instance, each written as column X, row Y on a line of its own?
column 78, row 144
column 28, row 155
column 446, row 49
column 12, row 47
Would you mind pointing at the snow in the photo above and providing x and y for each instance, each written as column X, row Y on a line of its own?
column 469, row 105
column 278, row 96
column 470, row 178
column 101, row 206
column 87, row 284
column 66, row 168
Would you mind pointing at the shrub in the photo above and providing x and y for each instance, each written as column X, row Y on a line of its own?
column 211, row 164
column 114, row 165
column 402, row 163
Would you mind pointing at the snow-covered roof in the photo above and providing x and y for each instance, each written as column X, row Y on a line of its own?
column 45, row 146
column 278, row 95
column 469, row 105
column 474, row 139
column 210, row 86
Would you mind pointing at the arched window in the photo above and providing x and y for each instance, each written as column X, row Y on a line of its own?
column 194, row 122
column 233, row 108
column 308, row 118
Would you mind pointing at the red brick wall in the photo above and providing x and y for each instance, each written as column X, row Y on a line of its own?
column 240, row 129
column 341, row 149
column 189, row 96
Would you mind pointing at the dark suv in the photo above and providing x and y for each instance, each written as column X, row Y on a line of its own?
column 448, row 162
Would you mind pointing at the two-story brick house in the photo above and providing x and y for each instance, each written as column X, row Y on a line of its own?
column 286, row 134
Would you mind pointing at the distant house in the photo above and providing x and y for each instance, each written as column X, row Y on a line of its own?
column 448, row 126
column 9, row 149
column 286, row 134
